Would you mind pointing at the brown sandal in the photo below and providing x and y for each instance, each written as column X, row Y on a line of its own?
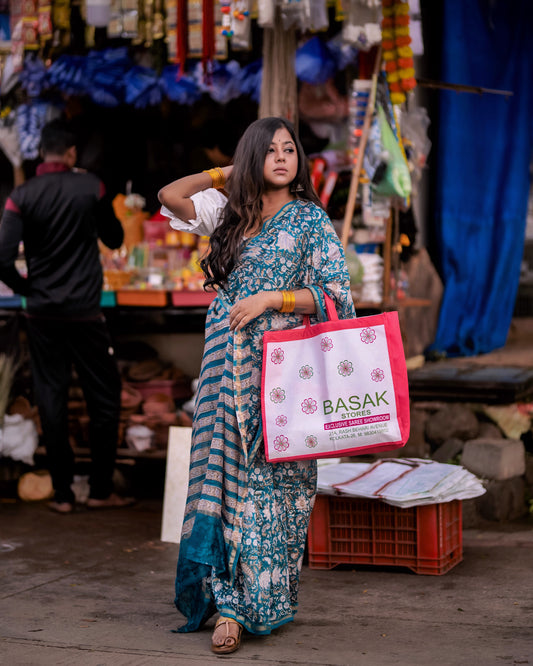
column 224, row 642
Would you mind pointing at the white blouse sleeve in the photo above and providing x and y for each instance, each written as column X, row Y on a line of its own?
column 209, row 205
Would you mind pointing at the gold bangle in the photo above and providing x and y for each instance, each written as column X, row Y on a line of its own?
column 222, row 178
column 289, row 301
column 218, row 178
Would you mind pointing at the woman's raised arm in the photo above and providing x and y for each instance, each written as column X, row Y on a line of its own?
column 176, row 195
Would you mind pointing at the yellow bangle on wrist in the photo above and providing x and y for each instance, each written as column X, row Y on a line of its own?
column 289, row 301
column 217, row 177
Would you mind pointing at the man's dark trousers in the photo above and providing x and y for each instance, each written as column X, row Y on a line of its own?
column 56, row 345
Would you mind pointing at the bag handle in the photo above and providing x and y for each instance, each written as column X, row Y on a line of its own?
column 330, row 309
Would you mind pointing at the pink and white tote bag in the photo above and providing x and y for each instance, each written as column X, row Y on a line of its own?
column 337, row 388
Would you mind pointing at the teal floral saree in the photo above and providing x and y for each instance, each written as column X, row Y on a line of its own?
column 246, row 520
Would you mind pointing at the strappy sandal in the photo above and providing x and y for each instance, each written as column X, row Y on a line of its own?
column 231, row 641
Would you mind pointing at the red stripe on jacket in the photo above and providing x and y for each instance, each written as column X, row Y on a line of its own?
column 12, row 206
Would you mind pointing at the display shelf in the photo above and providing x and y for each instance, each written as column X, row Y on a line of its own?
column 367, row 305
column 9, row 302
column 153, row 298
column 161, row 298
column 173, row 388
column 397, row 305
column 412, row 302
column 82, row 452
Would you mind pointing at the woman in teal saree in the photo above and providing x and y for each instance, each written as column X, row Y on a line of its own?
column 273, row 254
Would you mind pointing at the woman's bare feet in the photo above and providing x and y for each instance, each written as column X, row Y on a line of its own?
column 114, row 501
column 61, row 507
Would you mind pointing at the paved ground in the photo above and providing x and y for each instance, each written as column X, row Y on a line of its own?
column 96, row 588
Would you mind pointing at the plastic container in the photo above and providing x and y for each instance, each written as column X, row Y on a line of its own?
column 108, row 299
column 427, row 539
column 155, row 230
column 172, row 388
column 158, row 403
column 139, row 438
column 140, row 297
column 116, row 279
column 98, row 13
column 10, row 301
column 192, row 298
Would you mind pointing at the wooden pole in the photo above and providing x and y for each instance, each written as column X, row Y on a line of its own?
column 387, row 254
column 356, row 171
column 396, row 248
column 18, row 176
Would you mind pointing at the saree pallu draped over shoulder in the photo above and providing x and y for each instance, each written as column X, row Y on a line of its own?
column 246, row 520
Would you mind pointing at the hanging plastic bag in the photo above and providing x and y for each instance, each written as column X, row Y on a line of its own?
column 414, row 128
column 314, row 63
column 18, row 438
column 393, row 178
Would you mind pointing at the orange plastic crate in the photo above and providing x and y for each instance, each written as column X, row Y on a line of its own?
column 427, row 539
column 145, row 297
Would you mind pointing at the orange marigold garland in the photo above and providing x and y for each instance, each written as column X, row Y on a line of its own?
column 397, row 52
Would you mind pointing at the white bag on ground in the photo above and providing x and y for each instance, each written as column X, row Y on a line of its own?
column 18, row 438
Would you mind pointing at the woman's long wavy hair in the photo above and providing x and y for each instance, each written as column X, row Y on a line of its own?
column 246, row 187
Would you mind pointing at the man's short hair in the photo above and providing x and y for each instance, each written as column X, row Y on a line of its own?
column 56, row 138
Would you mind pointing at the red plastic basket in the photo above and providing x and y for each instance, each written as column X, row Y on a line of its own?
column 175, row 389
column 192, row 298
column 427, row 539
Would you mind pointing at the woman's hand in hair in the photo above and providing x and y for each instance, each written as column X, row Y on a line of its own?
column 176, row 196
column 247, row 309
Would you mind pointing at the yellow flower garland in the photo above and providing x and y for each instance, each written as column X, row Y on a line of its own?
column 397, row 52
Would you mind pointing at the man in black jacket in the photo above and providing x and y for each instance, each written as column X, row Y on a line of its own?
column 58, row 216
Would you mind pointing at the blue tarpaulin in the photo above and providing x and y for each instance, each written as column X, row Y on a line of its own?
column 483, row 174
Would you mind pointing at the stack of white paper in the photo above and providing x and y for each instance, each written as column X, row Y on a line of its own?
column 403, row 482
column 331, row 474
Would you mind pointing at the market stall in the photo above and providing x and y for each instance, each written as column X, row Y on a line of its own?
column 161, row 88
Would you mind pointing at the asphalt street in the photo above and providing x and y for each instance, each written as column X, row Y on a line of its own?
column 96, row 589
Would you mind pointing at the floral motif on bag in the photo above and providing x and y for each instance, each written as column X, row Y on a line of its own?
column 326, row 344
column 281, row 443
column 277, row 356
column 345, row 368
column 277, row 394
column 309, row 406
column 281, row 420
column 306, row 372
column 311, row 441
column 377, row 375
column 368, row 335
